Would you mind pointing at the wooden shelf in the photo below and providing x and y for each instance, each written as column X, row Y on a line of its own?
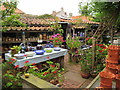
column 5, row 42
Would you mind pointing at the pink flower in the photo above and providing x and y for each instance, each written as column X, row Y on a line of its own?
column 26, row 61
column 72, row 37
column 56, row 41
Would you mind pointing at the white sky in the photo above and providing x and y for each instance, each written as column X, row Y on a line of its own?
column 39, row 7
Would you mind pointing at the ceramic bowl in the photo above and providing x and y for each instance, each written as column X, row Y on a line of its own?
column 19, row 56
column 57, row 49
column 48, row 50
column 30, row 54
column 39, row 52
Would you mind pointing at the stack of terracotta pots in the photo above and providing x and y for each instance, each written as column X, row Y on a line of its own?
column 112, row 70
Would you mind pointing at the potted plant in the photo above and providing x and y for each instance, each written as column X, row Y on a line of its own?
column 96, row 69
column 15, row 50
column 74, row 45
column 86, row 63
column 57, row 40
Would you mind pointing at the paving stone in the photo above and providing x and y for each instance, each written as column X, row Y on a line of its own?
column 73, row 78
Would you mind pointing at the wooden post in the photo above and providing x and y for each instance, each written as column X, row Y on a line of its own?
column 85, row 36
column 93, row 51
column 23, row 38
column 111, row 35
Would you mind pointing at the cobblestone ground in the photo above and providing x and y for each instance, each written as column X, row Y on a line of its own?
column 72, row 76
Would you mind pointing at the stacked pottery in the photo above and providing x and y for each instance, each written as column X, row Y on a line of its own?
column 112, row 70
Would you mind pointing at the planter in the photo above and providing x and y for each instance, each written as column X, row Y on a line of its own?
column 106, row 78
column 106, row 86
column 112, row 60
column 36, row 83
column 111, row 65
column 93, row 75
column 118, row 81
column 114, row 71
column 85, row 75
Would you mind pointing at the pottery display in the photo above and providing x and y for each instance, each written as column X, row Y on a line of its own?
column 39, row 52
column 19, row 56
column 57, row 49
column 48, row 50
column 30, row 54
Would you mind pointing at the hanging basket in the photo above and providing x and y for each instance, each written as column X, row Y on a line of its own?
column 106, row 78
column 118, row 81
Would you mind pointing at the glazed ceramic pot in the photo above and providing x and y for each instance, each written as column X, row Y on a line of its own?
column 30, row 54
column 39, row 52
column 48, row 50
column 57, row 49
column 19, row 56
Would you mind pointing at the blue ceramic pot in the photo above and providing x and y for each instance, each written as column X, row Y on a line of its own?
column 39, row 52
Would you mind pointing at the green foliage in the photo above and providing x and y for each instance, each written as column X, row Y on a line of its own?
column 73, row 42
column 57, row 39
column 12, row 21
column 8, row 19
column 46, row 16
column 10, row 8
column 52, row 71
column 85, row 9
column 11, row 76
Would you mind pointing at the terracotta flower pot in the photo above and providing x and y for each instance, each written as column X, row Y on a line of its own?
column 118, row 81
column 113, row 52
column 114, row 71
column 118, row 68
column 112, row 60
column 106, row 78
column 105, row 86
column 85, row 75
column 111, row 65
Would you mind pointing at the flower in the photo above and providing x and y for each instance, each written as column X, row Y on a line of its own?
column 26, row 61
column 45, row 73
column 52, row 65
column 10, row 62
column 25, row 55
column 16, row 66
column 55, row 72
column 13, row 59
column 73, row 42
column 33, row 63
column 48, row 57
column 57, row 39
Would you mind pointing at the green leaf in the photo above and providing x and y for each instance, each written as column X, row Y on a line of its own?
column 9, row 84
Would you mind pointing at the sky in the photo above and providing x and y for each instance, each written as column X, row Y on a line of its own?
column 40, row 7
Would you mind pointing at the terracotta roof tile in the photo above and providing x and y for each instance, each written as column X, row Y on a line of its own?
column 29, row 28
